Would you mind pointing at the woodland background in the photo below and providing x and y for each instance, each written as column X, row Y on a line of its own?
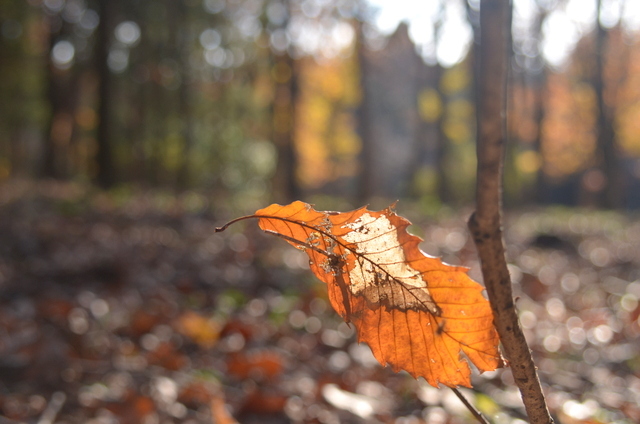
column 130, row 129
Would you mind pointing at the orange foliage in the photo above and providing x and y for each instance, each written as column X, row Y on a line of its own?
column 628, row 106
column 415, row 312
column 568, row 133
column 326, row 139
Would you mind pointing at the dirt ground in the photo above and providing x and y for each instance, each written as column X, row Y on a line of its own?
column 128, row 308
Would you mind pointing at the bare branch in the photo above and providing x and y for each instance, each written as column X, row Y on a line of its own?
column 485, row 223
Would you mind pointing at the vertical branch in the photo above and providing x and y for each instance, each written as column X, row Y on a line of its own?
column 485, row 223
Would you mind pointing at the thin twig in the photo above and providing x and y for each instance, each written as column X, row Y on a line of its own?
column 477, row 414
column 485, row 224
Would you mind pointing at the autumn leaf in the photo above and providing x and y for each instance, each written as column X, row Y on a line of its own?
column 415, row 312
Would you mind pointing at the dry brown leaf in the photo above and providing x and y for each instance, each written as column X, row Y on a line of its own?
column 416, row 313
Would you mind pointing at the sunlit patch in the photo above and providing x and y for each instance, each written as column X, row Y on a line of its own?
column 528, row 319
column 339, row 361
column 552, row 343
column 62, row 54
column 603, row 334
column 313, row 325
column 165, row 389
column 555, row 308
column 600, row 257
column 297, row 318
column 118, row 59
column 577, row 336
column 436, row 415
column 591, row 356
column 570, row 282
column 99, row 308
column 149, row 341
column 362, row 354
column 363, row 406
column 629, row 302
column 127, row 32
column 78, row 321
column 377, row 240
column 580, row 411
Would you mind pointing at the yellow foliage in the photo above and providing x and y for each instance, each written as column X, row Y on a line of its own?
column 528, row 162
column 457, row 130
column 326, row 140
column 455, row 79
column 429, row 105
column 461, row 109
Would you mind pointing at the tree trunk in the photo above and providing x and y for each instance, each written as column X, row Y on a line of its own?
column 283, row 121
column 610, row 196
column 105, row 176
column 62, row 96
column 184, row 100
column 442, row 147
column 366, row 188
column 538, row 83
column 283, row 115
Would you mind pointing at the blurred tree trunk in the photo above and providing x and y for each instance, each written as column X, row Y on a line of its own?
column 610, row 195
column 62, row 98
column 15, row 101
column 366, row 187
column 537, row 80
column 285, row 77
column 138, row 122
column 105, row 176
column 283, row 125
column 442, row 143
column 443, row 188
column 538, row 83
column 473, row 16
column 183, row 51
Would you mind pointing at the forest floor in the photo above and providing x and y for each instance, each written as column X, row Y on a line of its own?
column 130, row 309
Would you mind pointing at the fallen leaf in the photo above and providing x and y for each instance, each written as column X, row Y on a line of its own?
column 197, row 393
column 259, row 365
column 219, row 412
column 264, row 401
column 133, row 408
column 416, row 313
column 201, row 329
column 166, row 355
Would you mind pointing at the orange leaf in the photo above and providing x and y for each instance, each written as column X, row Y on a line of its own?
column 416, row 313
column 260, row 364
column 202, row 330
column 219, row 412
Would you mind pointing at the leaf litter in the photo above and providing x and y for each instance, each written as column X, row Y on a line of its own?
column 133, row 311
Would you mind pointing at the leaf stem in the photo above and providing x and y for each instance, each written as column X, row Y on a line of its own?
column 233, row 221
column 476, row 414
